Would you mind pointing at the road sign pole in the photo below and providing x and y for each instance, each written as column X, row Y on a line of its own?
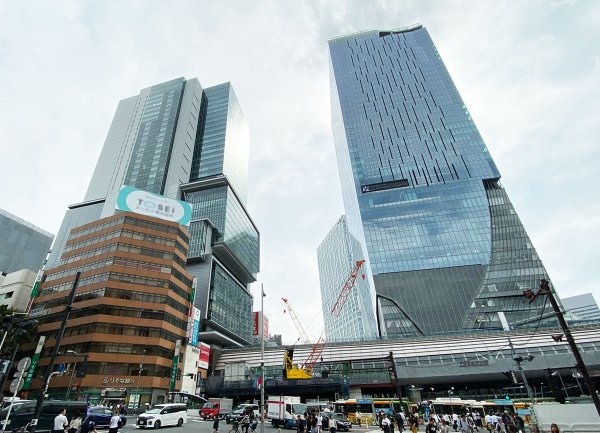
column 16, row 386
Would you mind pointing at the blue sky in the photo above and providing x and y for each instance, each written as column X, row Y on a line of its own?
column 529, row 72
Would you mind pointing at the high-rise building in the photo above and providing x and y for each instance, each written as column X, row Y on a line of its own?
column 22, row 245
column 15, row 289
column 130, row 307
column 582, row 308
column 184, row 142
column 445, row 248
column 337, row 255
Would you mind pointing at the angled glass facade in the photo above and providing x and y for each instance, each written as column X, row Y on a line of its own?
column 149, row 161
column 337, row 255
column 422, row 192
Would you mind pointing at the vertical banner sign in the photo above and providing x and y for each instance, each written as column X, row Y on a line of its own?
column 195, row 327
column 34, row 362
column 191, row 316
column 255, row 323
column 204, row 356
column 174, row 368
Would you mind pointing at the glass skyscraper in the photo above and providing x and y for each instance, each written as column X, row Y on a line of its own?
column 190, row 143
column 337, row 255
column 445, row 247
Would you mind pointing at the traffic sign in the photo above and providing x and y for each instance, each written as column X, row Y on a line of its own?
column 24, row 364
column 16, row 385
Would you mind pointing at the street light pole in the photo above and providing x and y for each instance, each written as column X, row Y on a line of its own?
column 557, row 373
column 137, row 388
column 262, row 359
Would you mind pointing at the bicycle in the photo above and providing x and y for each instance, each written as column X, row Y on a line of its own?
column 235, row 428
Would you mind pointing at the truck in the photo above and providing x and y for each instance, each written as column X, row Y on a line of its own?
column 216, row 408
column 283, row 410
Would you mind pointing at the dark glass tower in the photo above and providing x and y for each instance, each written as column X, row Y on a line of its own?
column 446, row 249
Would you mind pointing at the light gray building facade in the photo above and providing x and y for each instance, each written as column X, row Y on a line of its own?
column 22, row 244
column 337, row 255
column 582, row 308
column 186, row 142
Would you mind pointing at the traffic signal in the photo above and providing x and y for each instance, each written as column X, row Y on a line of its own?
column 82, row 368
column 7, row 322
column 507, row 397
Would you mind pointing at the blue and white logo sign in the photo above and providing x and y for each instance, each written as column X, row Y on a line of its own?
column 196, row 327
column 147, row 203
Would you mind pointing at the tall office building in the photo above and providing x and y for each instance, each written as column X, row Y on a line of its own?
column 337, row 255
column 445, row 247
column 582, row 308
column 22, row 245
column 184, row 142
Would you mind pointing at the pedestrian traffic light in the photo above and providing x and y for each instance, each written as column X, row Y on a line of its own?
column 7, row 322
column 507, row 397
column 82, row 368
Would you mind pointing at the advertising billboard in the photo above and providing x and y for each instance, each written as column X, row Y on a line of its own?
column 195, row 327
column 204, row 356
column 147, row 203
column 256, row 325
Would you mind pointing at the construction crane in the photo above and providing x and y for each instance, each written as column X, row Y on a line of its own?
column 303, row 337
column 305, row 371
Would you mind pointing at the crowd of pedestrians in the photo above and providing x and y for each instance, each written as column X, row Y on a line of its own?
column 467, row 422
column 79, row 424
column 315, row 422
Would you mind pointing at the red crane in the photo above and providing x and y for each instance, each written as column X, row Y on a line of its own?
column 317, row 349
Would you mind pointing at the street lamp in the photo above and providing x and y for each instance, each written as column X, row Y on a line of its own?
column 137, row 390
column 577, row 375
column 557, row 373
column 71, row 352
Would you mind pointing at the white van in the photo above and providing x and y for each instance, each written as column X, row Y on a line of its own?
column 162, row 415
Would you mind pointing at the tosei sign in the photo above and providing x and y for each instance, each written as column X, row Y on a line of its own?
column 150, row 204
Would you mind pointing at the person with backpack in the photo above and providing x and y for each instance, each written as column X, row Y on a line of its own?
column 115, row 422
column 324, row 424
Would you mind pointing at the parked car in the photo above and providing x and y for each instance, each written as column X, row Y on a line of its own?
column 101, row 416
column 240, row 411
column 162, row 415
column 342, row 422
column 22, row 412
column 234, row 416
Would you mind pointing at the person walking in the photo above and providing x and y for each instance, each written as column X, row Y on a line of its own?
column 445, row 427
column 300, row 424
column 358, row 417
column 115, row 422
column 414, row 423
column 333, row 425
column 385, row 424
column 75, row 424
column 399, row 421
column 431, row 426
column 60, row 422
column 216, row 425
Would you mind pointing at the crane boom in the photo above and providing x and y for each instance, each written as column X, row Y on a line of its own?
column 318, row 347
column 297, row 322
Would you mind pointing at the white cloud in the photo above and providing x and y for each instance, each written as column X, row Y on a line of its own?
column 528, row 72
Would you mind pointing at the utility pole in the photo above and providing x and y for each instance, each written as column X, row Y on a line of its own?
column 518, row 360
column 546, row 290
column 48, row 374
column 262, row 359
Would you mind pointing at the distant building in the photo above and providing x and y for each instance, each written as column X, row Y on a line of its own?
column 22, row 245
column 337, row 255
column 582, row 307
column 15, row 289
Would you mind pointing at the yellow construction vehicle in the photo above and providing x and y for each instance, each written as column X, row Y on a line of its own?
column 291, row 370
